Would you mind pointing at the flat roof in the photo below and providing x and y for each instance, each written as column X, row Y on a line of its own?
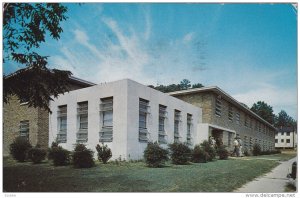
column 224, row 95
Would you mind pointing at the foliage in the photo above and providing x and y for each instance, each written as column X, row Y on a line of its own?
column 104, row 153
column 199, row 155
column 264, row 110
column 59, row 155
column 82, row 157
column 37, row 154
column 256, row 149
column 283, row 119
column 183, row 85
column 19, row 149
column 223, row 153
column 154, row 155
column 25, row 26
column 209, row 149
column 180, row 153
column 246, row 152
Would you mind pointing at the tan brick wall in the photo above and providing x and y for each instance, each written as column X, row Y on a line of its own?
column 13, row 113
column 207, row 101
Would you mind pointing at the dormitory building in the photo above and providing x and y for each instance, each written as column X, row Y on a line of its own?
column 126, row 115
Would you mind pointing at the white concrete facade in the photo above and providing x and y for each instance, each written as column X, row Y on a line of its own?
column 125, row 95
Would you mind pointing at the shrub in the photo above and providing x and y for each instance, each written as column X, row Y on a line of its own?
column 58, row 155
column 82, row 157
column 180, row 153
column 37, row 154
column 104, row 153
column 209, row 149
column 154, row 155
column 223, row 153
column 246, row 152
column 256, row 149
column 199, row 155
column 19, row 148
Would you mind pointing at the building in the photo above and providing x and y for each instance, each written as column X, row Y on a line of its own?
column 29, row 122
column 125, row 115
column 286, row 137
column 223, row 117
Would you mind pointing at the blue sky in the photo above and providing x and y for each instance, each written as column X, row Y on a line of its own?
column 248, row 50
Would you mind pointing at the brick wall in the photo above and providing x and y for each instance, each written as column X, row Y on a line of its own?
column 207, row 101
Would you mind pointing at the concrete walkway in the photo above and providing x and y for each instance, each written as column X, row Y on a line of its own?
column 272, row 182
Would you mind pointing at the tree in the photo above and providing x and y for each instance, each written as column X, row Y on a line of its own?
column 185, row 84
column 264, row 110
column 283, row 119
column 25, row 26
column 197, row 85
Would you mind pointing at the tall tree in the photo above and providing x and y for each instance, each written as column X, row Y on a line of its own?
column 264, row 110
column 283, row 119
column 185, row 84
column 25, row 26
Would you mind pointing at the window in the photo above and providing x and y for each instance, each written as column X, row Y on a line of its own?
column 177, row 116
column 287, row 133
column 218, row 109
column 106, row 120
column 82, row 114
column 162, row 114
column 238, row 117
column 282, row 140
column 282, row 133
column 276, row 140
column 246, row 121
column 189, row 127
column 62, row 124
column 143, row 111
column 24, row 129
column 250, row 123
column 230, row 113
column 259, row 127
column 288, row 141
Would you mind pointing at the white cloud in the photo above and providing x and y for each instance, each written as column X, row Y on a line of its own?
column 81, row 37
column 147, row 25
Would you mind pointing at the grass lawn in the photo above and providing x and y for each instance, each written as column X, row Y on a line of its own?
column 216, row 176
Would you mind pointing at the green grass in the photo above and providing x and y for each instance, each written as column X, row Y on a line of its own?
column 216, row 176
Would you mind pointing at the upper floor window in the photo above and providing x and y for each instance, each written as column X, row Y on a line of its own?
column 143, row 111
column 218, row 109
column 287, row 133
column 106, row 119
column 62, row 124
column 230, row 113
column 238, row 117
column 288, row 141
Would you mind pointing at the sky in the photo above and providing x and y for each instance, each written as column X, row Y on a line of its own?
column 248, row 50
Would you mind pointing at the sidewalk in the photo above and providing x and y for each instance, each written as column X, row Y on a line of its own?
column 272, row 182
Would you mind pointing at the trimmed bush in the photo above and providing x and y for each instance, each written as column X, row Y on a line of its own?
column 209, row 149
column 180, row 153
column 256, row 149
column 59, row 155
column 37, row 154
column 199, row 155
column 154, row 155
column 246, row 152
column 223, row 153
column 82, row 157
column 19, row 149
column 104, row 153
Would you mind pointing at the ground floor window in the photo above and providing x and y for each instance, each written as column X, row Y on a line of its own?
column 24, row 129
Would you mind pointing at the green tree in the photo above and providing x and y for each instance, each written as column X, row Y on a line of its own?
column 197, row 85
column 25, row 26
column 264, row 110
column 283, row 119
column 185, row 84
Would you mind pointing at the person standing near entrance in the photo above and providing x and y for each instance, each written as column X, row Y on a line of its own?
column 240, row 146
column 236, row 147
